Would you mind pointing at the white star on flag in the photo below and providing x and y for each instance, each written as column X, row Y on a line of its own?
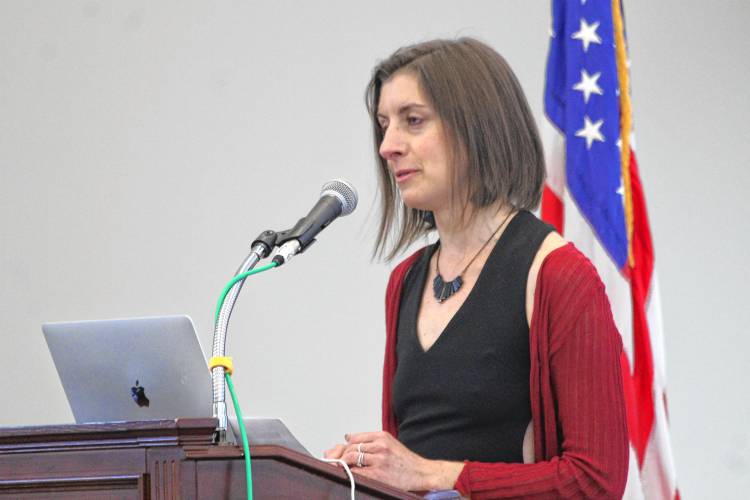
column 590, row 131
column 587, row 34
column 588, row 85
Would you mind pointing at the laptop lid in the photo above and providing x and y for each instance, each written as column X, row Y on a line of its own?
column 131, row 369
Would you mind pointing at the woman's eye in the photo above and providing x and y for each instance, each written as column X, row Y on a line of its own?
column 414, row 120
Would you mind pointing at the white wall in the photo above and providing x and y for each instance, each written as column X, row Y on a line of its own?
column 143, row 145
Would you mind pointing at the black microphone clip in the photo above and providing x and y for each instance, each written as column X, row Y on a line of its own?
column 268, row 240
column 304, row 231
column 337, row 198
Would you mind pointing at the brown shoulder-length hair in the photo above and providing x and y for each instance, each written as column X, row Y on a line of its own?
column 488, row 125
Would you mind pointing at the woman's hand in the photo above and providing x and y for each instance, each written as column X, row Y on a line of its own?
column 380, row 456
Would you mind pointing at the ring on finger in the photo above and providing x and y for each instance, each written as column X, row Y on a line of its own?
column 360, row 458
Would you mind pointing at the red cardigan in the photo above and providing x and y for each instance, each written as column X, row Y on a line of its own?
column 577, row 403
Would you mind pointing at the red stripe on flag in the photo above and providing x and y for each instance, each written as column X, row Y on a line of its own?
column 629, row 392
column 641, row 402
column 553, row 211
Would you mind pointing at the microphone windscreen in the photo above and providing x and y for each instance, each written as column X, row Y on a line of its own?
column 344, row 191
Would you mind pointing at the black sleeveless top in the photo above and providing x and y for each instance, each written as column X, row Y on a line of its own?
column 467, row 396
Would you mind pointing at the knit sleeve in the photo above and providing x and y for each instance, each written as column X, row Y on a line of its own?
column 579, row 372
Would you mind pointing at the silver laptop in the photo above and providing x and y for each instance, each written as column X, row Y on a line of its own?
column 131, row 369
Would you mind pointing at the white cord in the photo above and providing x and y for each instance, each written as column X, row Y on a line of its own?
column 346, row 468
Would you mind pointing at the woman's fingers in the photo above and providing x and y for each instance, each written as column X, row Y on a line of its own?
column 350, row 457
column 363, row 437
column 347, row 453
column 336, row 452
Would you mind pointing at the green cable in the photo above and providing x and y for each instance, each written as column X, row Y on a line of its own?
column 230, row 384
column 233, row 281
column 243, row 433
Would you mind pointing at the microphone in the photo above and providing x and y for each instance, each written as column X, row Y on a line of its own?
column 337, row 199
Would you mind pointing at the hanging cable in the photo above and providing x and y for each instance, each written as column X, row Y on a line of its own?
column 243, row 434
column 348, row 472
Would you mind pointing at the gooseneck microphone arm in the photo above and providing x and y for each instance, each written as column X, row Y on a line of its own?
column 261, row 247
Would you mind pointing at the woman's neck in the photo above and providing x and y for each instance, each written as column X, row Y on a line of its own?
column 460, row 237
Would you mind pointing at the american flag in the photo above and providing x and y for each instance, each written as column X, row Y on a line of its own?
column 594, row 197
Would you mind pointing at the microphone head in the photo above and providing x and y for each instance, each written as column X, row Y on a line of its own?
column 345, row 193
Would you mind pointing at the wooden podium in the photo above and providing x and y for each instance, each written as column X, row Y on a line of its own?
column 162, row 460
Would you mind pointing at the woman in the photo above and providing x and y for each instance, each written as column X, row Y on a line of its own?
column 501, row 374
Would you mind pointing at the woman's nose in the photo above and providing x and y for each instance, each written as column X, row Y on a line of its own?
column 393, row 144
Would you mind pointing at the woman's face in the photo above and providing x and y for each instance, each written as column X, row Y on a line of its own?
column 414, row 144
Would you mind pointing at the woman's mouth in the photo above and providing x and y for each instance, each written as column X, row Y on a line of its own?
column 405, row 174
